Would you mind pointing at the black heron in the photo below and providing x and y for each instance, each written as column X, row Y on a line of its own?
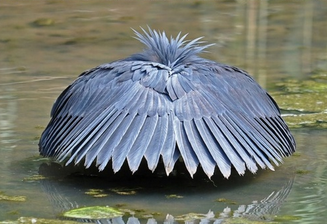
column 167, row 103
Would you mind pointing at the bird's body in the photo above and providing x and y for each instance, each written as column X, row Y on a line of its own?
column 167, row 102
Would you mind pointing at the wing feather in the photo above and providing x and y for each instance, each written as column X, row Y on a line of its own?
column 102, row 145
column 241, row 135
column 57, row 133
column 169, row 152
column 152, row 153
column 106, row 153
column 271, row 130
column 228, row 149
column 142, row 142
column 260, row 138
column 184, row 82
column 185, row 148
column 201, row 151
column 92, row 138
column 213, row 147
column 80, row 136
column 287, row 133
column 279, row 133
column 123, row 148
column 241, row 150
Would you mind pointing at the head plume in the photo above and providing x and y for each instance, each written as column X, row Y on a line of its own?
column 170, row 52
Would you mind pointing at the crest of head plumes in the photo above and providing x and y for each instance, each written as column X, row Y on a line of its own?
column 170, row 52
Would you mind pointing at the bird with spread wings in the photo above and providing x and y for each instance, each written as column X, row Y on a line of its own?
column 167, row 103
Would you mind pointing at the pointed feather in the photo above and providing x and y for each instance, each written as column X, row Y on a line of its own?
column 228, row 149
column 142, row 142
column 169, row 148
column 156, row 144
column 207, row 162
column 247, row 143
column 185, row 148
column 123, row 148
column 213, row 147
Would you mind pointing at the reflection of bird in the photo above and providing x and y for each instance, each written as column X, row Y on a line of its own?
column 66, row 189
column 166, row 101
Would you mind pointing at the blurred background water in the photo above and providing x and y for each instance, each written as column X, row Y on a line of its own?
column 45, row 45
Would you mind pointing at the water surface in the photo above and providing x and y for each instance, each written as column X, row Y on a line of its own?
column 45, row 45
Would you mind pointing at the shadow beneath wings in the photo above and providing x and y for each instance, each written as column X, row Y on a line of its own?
column 148, row 197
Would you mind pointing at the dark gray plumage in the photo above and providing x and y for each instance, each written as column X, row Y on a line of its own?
column 168, row 102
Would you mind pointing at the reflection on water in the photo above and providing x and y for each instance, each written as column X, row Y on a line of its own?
column 45, row 47
column 65, row 186
column 8, row 109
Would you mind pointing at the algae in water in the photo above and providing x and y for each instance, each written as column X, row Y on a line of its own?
column 94, row 212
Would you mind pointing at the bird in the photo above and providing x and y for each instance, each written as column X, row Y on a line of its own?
column 167, row 104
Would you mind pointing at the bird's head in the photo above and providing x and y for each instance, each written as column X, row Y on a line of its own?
column 168, row 51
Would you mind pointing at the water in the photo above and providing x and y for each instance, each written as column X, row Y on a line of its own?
column 45, row 45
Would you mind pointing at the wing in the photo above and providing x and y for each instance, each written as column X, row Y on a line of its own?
column 217, row 116
column 115, row 111
column 224, row 118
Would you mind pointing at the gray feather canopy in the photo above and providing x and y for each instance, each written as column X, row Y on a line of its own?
column 165, row 103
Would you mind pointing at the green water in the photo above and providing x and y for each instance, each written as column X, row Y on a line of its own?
column 45, row 45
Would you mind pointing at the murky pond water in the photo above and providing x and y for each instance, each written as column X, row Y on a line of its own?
column 45, row 45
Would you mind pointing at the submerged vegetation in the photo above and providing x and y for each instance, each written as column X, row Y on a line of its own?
column 304, row 102
column 95, row 212
column 4, row 197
